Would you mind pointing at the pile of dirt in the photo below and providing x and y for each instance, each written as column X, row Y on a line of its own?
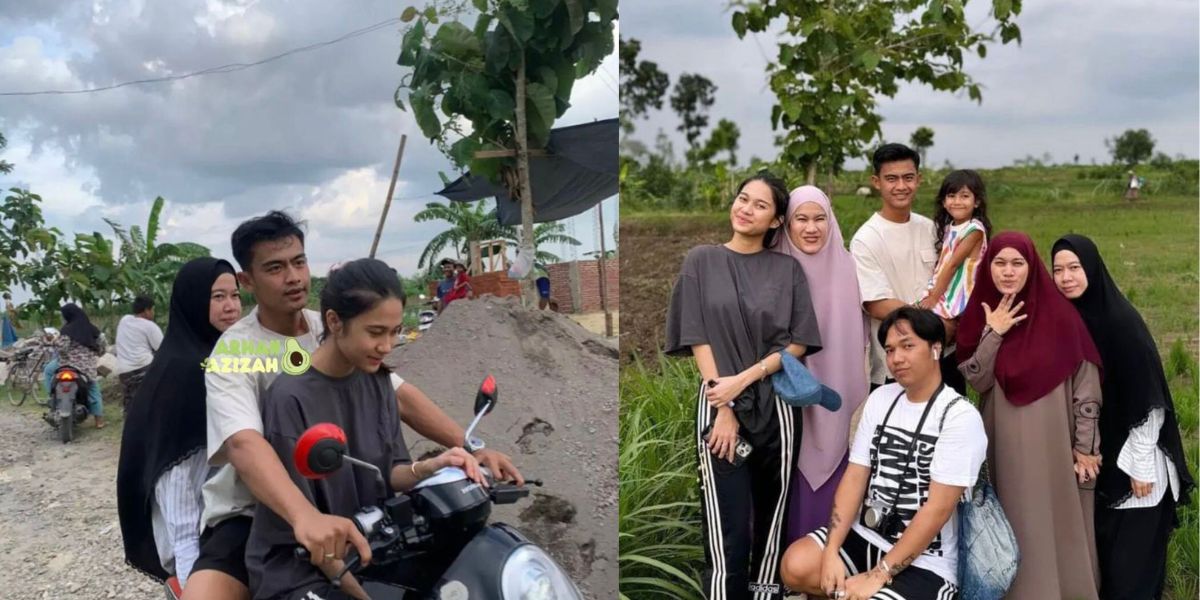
column 556, row 416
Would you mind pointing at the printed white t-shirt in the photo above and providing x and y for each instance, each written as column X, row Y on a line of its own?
column 949, row 453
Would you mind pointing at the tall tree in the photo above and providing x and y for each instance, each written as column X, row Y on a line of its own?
column 5, row 166
column 643, row 85
column 922, row 140
column 1131, row 147
column 724, row 138
column 691, row 99
column 469, row 222
column 836, row 58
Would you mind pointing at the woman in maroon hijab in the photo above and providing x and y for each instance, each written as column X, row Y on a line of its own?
column 1033, row 362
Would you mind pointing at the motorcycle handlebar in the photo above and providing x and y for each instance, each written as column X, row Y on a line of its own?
column 351, row 561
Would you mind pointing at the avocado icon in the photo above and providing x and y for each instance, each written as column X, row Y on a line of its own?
column 295, row 358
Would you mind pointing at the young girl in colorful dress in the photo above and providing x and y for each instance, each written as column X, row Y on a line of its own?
column 963, row 229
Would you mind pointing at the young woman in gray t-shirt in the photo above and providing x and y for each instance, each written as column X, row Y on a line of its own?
column 734, row 307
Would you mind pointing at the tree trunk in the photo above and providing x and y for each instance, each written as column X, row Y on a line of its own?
column 525, row 193
column 812, row 173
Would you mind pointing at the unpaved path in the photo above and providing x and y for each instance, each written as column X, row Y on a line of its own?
column 59, row 536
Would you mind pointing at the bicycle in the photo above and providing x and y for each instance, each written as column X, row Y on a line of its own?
column 26, row 375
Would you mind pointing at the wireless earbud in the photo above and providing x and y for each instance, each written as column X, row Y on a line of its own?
column 937, row 352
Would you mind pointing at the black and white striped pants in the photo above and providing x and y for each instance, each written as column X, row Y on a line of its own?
column 745, row 508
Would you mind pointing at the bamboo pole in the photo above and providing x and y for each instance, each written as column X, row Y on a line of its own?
column 608, row 323
column 388, row 203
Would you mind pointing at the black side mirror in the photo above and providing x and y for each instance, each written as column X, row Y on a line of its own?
column 320, row 451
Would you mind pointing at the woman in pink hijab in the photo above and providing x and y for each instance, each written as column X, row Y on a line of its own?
column 815, row 240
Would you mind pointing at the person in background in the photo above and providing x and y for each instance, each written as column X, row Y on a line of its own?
column 1135, row 184
column 78, row 347
column 1026, row 350
column 162, row 464
column 815, row 241
column 446, row 285
column 1145, row 477
column 138, row 338
column 8, row 335
column 49, row 339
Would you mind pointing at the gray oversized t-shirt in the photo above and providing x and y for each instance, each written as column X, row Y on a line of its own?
column 364, row 406
column 745, row 306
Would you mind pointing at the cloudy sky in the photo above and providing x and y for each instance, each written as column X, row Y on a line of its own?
column 314, row 133
column 1086, row 70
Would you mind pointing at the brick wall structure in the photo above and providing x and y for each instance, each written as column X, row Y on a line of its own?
column 495, row 283
column 575, row 286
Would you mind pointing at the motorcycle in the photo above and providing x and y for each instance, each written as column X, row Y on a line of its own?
column 67, row 404
column 443, row 520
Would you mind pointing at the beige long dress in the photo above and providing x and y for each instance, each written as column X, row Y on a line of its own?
column 1032, row 469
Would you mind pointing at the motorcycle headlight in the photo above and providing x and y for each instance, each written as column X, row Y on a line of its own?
column 530, row 574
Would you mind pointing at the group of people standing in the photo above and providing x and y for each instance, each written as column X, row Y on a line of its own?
column 1075, row 422
column 206, row 486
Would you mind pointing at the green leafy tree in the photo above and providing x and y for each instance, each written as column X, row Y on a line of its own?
column 546, row 233
column 462, row 82
column 836, row 58
column 23, row 236
column 145, row 266
column 469, row 222
column 922, row 140
column 724, row 138
column 5, row 166
column 1131, row 147
column 643, row 85
column 691, row 99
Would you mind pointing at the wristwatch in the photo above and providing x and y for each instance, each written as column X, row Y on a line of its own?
column 474, row 444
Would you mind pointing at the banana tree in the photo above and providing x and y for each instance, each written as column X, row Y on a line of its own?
column 147, row 267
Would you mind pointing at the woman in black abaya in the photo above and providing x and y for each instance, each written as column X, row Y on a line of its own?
column 162, row 464
column 1145, row 475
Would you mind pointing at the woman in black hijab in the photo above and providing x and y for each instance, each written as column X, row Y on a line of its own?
column 1144, row 475
column 78, row 347
column 162, row 464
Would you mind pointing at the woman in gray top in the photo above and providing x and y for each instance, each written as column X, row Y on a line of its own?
column 734, row 307
column 362, row 309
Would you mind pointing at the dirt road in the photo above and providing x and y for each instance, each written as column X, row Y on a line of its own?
column 58, row 513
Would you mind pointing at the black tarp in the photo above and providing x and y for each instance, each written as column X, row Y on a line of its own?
column 578, row 171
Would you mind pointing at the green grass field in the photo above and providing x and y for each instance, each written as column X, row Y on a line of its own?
column 1150, row 247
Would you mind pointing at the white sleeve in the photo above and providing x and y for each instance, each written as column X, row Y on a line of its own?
column 860, row 450
column 396, row 380
column 1138, row 455
column 961, row 447
column 232, row 407
column 872, row 281
column 154, row 336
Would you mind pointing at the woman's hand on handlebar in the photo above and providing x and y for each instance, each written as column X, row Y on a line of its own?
column 457, row 457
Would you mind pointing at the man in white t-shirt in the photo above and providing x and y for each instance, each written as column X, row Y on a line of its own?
column 270, row 250
column 138, row 338
column 894, row 253
column 918, row 447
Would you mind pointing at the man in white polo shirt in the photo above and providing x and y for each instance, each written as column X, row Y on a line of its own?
column 138, row 338
column 270, row 250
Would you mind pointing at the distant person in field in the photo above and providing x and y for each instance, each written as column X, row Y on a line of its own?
column 138, row 338
column 162, row 465
column 9, row 335
column 1144, row 477
column 962, row 233
column 895, row 254
column 815, row 241
column 734, row 308
column 1132, row 188
column 78, row 347
column 1027, row 352
column 462, row 285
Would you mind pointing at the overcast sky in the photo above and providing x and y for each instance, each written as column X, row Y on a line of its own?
column 1087, row 70
column 314, row 133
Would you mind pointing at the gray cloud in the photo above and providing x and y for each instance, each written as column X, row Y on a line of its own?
column 294, row 133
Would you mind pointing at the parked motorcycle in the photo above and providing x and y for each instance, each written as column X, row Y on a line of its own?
column 443, row 520
column 67, row 404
